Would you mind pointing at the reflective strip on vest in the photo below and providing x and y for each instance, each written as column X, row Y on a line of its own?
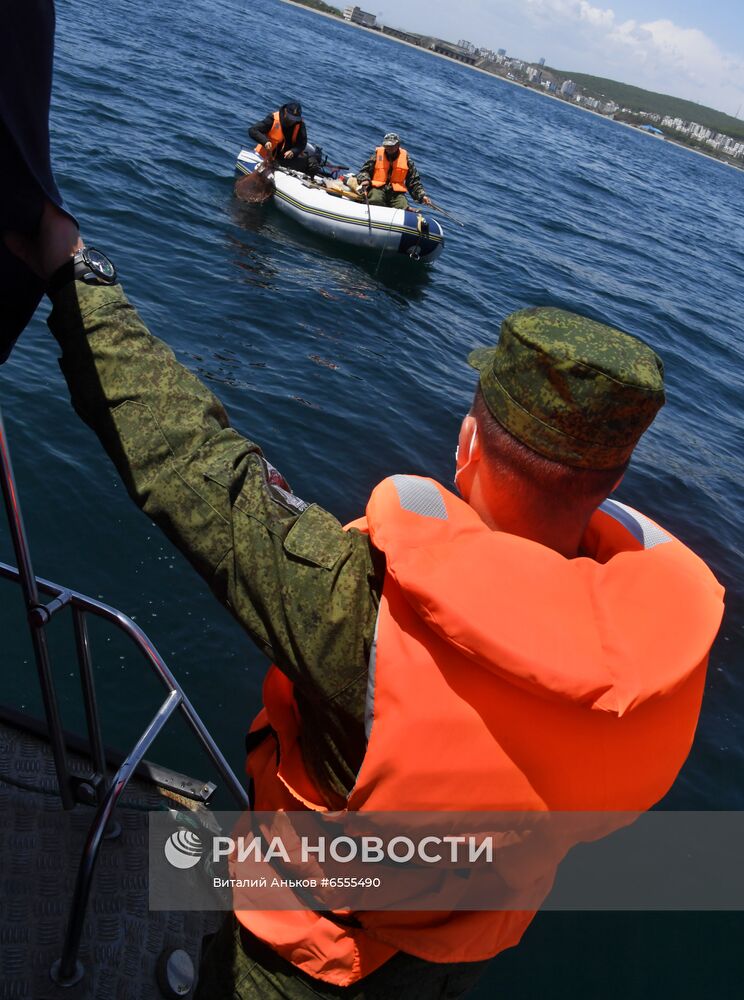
column 640, row 527
column 369, row 703
column 420, row 496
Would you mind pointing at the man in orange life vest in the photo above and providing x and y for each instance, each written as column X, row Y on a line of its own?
column 282, row 136
column 526, row 646
column 392, row 174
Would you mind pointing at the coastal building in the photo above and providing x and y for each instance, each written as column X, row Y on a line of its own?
column 358, row 16
column 568, row 88
column 502, row 53
column 701, row 132
column 467, row 46
column 403, row 36
column 453, row 51
column 541, row 61
column 534, row 74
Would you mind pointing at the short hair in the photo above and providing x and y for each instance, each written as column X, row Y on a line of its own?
column 565, row 484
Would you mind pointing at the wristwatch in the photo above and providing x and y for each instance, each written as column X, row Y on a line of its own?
column 88, row 265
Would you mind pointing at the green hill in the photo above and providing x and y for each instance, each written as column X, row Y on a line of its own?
column 325, row 8
column 638, row 99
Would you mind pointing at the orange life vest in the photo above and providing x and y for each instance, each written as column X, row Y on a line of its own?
column 277, row 137
column 392, row 171
column 550, row 684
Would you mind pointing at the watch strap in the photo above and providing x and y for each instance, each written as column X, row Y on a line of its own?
column 74, row 269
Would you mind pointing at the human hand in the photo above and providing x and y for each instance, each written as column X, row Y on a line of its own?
column 364, row 186
column 426, row 200
column 268, row 144
column 57, row 240
column 288, row 155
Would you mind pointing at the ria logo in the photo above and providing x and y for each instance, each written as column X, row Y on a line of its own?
column 183, row 849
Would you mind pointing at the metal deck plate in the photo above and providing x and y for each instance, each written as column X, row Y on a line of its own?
column 40, row 848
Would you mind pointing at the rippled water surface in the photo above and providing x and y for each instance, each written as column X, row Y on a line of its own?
column 346, row 368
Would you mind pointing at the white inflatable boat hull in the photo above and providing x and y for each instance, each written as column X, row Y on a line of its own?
column 398, row 231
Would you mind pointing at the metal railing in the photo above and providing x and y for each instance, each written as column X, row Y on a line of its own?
column 97, row 788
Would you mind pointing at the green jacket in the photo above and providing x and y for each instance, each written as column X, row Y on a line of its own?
column 305, row 590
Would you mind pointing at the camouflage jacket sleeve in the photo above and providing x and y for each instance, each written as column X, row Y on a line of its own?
column 414, row 183
column 365, row 174
column 305, row 590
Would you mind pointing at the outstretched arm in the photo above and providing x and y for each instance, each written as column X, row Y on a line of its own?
column 305, row 590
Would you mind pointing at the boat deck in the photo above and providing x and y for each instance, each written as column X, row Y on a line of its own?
column 40, row 848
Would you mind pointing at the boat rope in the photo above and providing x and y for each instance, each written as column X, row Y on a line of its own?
column 384, row 242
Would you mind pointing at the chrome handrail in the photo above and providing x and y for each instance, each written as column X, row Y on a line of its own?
column 28, row 584
column 82, row 605
column 68, row 970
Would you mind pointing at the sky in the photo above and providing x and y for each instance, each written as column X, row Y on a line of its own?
column 687, row 48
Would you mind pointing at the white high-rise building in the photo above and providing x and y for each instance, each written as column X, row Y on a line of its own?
column 358, row 16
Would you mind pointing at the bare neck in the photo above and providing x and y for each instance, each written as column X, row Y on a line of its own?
column 531, row 517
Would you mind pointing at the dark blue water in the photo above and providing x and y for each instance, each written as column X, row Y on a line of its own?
column 346, row 371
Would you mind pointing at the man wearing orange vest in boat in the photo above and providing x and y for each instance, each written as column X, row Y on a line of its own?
column 528, row 645
column 392, row 174
column 282, row 136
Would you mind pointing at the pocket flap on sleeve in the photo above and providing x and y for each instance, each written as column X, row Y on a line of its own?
column 318, row 538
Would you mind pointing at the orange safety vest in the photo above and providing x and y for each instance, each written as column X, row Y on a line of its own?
column 277, row 137
column 550, row 684
column 394, row 172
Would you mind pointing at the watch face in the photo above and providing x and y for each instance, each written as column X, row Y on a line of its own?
column 99, row 264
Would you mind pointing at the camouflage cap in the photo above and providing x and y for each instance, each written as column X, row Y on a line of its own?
column 391, row 139
column 574, row 390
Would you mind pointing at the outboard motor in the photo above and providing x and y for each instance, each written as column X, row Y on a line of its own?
column 314, row 152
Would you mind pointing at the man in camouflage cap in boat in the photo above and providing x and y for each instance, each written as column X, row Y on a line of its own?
column 391, row 174
column 527, row 645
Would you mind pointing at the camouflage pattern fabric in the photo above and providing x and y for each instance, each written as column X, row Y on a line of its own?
column 305, row 590
column 237, row 966
column 572, row 389
column 388, row 198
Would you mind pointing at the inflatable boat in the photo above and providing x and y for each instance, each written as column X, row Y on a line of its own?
column 330, row 208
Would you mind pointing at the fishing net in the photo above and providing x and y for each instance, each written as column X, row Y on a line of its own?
column 256, row 187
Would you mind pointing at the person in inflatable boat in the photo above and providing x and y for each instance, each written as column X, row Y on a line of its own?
column 282, row 136
column 391, row 174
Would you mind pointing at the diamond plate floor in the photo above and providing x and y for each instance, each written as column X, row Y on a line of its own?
column 40, row 847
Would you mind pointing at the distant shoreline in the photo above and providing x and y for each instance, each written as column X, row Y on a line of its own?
column 514, row 83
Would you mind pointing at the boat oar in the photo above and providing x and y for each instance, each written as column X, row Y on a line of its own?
column 438, row 208
column 369, row 211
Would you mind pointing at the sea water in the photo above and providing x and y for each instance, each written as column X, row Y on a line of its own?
column 346, row 367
